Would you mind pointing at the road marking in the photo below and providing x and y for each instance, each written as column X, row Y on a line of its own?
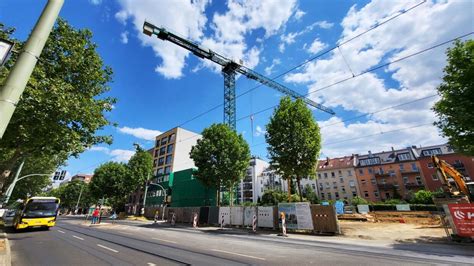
column 113, row 250
column 164, row 240
column 62, row 232
column 78, row 237
column 243, row 255
column 126, row 233
column 151, row 264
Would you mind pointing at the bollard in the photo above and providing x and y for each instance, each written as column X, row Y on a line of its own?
column 173, row 219
column 195, row 220
column 222, row 222
column 254, row 223
column 283, row 224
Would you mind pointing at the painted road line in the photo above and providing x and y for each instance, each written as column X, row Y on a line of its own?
column 243, row 255
column 126, row 233
column 104, row 247
column 151, row 264
column 62, row 232
column 80, row 238
column 164, row 240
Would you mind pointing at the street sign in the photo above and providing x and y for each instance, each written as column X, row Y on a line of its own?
column 463, row 218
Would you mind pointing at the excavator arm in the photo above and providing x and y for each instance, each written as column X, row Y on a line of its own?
column 445, row 171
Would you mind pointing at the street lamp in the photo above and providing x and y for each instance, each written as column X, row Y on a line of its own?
column 6, row 47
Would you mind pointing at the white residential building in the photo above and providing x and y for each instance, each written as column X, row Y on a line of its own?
column 252, row 185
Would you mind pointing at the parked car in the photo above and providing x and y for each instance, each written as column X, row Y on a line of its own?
column 8, row 217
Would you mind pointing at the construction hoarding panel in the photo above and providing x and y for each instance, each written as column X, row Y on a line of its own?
column 214, row 215
column 249, row 212
column 297, row 215
column 266, row 217
column 224, row 211
column 324, row 219
column 204, row 215
column 237, row 215
column 462, row 216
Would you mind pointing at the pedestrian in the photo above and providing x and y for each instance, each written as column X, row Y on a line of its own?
column 157, row 214
column 95, row 215
column 113, row 217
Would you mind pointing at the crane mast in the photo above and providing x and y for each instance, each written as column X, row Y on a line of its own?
column 229, row 70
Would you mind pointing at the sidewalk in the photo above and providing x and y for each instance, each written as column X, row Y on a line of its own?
column 5, row 252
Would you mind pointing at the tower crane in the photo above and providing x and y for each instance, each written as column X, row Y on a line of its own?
column 229, row 69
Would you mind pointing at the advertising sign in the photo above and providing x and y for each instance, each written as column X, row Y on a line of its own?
column 403, row 207
column 463, row 218
column 364, row 209
column 297, row 215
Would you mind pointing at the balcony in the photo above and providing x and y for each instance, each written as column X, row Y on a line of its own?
column 458, row 165
column 410, row 171
column 382, row 174
column 414, row 185
column 385, row 186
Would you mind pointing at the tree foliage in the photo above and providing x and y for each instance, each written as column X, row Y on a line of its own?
column 112, row 181
column 63, row 104
column 222, row 156
column 423, row 197
column 140, row 166
column 69, row 195
column 310, row 194
column 294, row 141
column 455, row 109
column 359, row 201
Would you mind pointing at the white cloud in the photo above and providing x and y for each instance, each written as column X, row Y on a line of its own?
column 429, row 24
column 299, row 14
column 95, row 2
column 269, row 70
column 117, row 155
column 141, row 133
column 324, row 24
column 316, row 46
column 259, row 131
column 124, row 37
column 290, row 37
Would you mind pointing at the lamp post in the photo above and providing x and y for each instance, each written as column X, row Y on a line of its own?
column 12, row 186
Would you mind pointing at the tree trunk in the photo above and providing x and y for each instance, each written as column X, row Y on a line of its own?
column 8, row 167
column 289, row 189
column 218, row 196
column 299, row 189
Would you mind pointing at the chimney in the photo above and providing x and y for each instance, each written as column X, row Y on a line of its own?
column 370, row 154
column 393, row 149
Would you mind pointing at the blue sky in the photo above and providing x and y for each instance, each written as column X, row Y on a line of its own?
column 160, row 86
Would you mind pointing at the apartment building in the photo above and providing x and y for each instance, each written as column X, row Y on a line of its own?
column 386, row 175
column 83, row 178
column 336, row 179
column 252, row 186
column 464, row 164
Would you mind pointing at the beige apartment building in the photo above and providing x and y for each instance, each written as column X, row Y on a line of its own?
column 337, row 179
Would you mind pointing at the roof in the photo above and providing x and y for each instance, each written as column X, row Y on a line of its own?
column 336, row 163
column 387, row 157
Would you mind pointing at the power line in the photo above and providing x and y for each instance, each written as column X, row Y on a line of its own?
column 309, row 60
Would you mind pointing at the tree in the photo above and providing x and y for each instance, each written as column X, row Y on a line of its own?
column 69, row 195
column 455, row 109
column 294, row 141
column 140, row 166
column 112, row 181
column 63, row 105
column 310, row 195
column 423, row 197
column 359, row 201
column 222, row 156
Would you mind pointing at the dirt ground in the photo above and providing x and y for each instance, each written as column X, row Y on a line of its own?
column 402, row 232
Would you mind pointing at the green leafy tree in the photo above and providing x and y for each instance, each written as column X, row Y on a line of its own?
column 63, row 104
column 359, row 201
column 310, row 195
column 272, row 197
column 69, row 195
column 112, row 181
column 294, row 141
column 222, row 156
column 455, row 109
column 423, row 197
column 140, row 166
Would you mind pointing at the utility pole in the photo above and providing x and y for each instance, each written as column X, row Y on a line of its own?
column 79, row 199
column 19, row 75
column 10, row 188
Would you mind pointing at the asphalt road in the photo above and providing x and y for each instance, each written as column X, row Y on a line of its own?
column 72, row 242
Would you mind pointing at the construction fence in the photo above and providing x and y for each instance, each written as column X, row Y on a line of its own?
column 298, row 216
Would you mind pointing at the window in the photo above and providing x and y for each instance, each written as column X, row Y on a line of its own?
column 171, row 138
column 321, row 186
column 413, row 167
column 349, row 172
column 327, row 185
column 402, row 167
column 334, row 185
column 370, row 161
column 162, row 150
column 170, row 148
column 371, row 171
column 354, row 193
column 164, row 140
column 404, row 156
column 430, row 165
column 329, row 195
column 418, row 180
column 161, row 161
column 332, row 174
column 341, row 180
column 319, row 175
column 336, row 194
column 387, row 195
column 373, row 181
column 382, row 181
column 340, row 172
column 361, row 171
column 431, row 152
column 322, row 195
column 168, row 159
column 376, row 194
column 352, row 183
column 343, row 188
column 325, row 175
column 167, row 169
column 391, row 172
column 160, row 171
column 450, row 149
column 154, row 162
column 363, row 181
column 366, row 194
column 157, row 143
column 435, row 177
column 405, row 179
column 313, row 186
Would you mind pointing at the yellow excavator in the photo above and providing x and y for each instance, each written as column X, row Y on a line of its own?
column 463, row 191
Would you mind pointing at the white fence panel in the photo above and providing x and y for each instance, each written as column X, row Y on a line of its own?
column 226, row 212
column 265, row 217
column 237, row 215
column 249, row 212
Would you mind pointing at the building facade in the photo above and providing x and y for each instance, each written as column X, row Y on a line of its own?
column 83, row 178
column 387, row 175
column 252, row 185
column 336, row 179
column 464, row 164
